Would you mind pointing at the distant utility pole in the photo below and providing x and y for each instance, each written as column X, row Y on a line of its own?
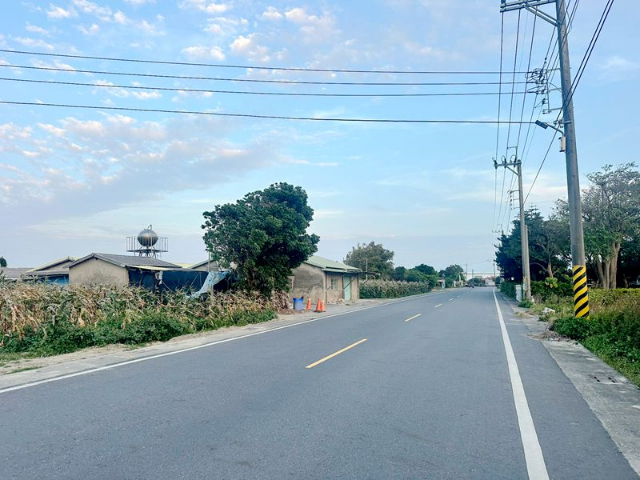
column 524, row 236
column 580, row 291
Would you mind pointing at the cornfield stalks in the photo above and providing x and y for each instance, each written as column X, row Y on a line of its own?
column 29, row 306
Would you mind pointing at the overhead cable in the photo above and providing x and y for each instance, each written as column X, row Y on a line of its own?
column 251, row 67
column 248, row 115
column 236, row 92
column 246, row 80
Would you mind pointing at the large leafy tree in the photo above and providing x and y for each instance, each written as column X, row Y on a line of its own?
column 3, row 262
column 611, row 211
column 263, row 235
column 371, row 257
column 548, row 246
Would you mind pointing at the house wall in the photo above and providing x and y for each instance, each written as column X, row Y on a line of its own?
column 335, row 287
column 308, row 282
column 95, row 271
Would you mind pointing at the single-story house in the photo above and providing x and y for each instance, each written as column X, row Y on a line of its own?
column 106, row 268
column 328, row 280
column 13, row 274
column 56, row 272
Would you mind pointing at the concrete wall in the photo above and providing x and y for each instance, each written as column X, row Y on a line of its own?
column 335, row 287
column 308, row 282
column 95, row 271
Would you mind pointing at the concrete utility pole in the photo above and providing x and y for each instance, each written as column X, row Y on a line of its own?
column 524, row 236
column 580, row 291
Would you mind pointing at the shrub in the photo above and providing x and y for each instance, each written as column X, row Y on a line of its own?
column 508, row 288
column 392, row 289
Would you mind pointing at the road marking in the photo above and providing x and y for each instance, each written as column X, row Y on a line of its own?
column 335, row 354
column 536, row 467
column 204, row 345
column 438, row 305
column 450, row 299
column 415, row 316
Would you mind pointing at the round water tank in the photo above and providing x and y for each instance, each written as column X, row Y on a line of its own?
column 147, row 237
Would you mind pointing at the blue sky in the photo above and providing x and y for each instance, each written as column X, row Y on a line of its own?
column 76, row 181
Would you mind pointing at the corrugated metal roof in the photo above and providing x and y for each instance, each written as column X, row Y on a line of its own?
column 55, row 263
column 127, row 260
column 11, row 273
column 330, row 265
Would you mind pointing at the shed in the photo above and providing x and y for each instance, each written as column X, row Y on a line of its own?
column 110, row 269
column 13, row 274
column 321, row 278
column 56, row 271
column 205, row 266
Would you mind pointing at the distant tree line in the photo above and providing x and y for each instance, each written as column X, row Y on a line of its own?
column 611, row 220
column 374, row 259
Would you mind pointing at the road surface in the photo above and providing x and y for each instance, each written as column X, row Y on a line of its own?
column 429, row 387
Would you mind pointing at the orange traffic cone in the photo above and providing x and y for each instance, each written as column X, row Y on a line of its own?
column 308, row 305
column 323, row 307
column 318, row 307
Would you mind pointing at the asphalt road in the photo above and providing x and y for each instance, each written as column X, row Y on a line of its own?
column 433, row 397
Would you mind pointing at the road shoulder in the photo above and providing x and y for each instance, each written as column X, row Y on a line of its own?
column 613, row 399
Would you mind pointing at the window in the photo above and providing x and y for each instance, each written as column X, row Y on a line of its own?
column 334, row 283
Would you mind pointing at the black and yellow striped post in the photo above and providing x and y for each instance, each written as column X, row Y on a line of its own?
column 580, row 292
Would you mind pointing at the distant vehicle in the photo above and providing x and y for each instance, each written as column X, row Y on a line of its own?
column 635, row 284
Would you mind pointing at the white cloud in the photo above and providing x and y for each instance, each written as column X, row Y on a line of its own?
column 249, row 48
column 138, row 3
column 313, row 28
column 211, row 8
column 32, row 42
column 127, row 93
column 90, row 8
column 92, row 30
column 617, row 67
column 101, row 165
column 58, row 13
column 36, row 29
column 199, row 52
column 120, row 18
column 271, row 13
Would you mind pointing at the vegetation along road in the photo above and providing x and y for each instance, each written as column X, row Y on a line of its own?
column 435, row 386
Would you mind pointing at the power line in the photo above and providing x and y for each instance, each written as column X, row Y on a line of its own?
column 252, row 67
column 541, row 165
column 247, row 115
column 589, row 51
column 235, row 92
column 247, row 80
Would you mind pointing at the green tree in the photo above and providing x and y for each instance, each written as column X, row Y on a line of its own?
column 263, row 235
column 399, row 273
column 426, row 269
column 611, row 211
column 371, row 257
column 3, row 262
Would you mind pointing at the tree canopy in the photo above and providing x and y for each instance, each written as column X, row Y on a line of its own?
column 371, row 257
column 3, row 262
column 611, row 214
column 263, row 235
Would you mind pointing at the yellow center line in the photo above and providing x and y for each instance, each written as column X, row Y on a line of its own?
column 329, row 357
column 415, row 316
column 438, row 305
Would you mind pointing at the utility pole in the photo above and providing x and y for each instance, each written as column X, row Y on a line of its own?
column 580, row 290
column 524, row 237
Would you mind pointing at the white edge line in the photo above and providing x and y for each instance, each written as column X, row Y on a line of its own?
column 536, row 467
column 197, row 347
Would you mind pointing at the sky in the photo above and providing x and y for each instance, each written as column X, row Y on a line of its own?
column 80, row 180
